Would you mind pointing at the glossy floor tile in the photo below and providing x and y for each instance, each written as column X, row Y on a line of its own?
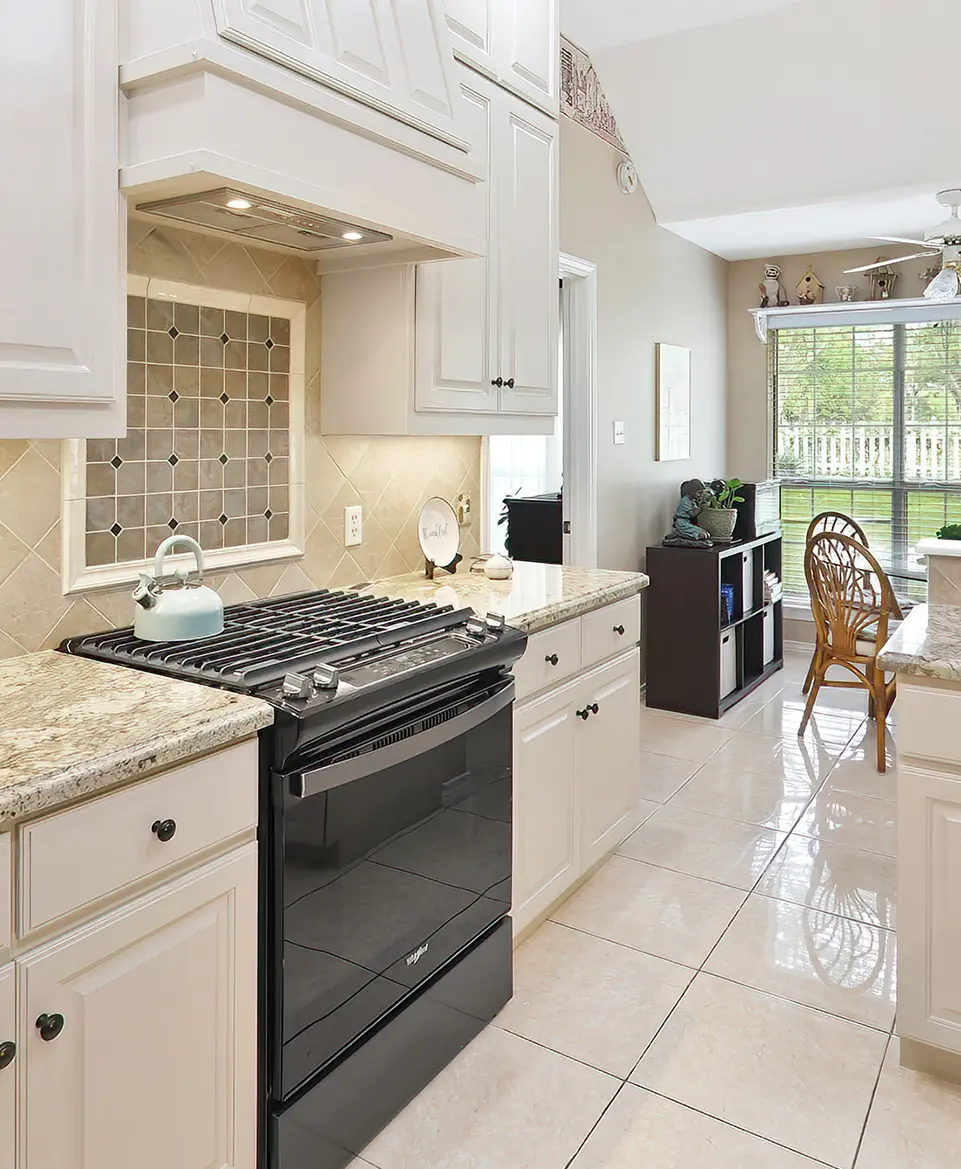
column 664, row 913
column 782, row 716
column 776, row 1069
column 727, row 851
column 837, row 964
column 856, row 772
column 589, row 998
column 504, row 1103
column 828, row 876
column 770, row 801
column 915, row 1121
column 800, row 759
column 644, row 1131
column 662, row 776
column 680, row 738
column 852, row 820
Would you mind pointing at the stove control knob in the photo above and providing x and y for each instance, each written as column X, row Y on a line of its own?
column 326, row 678
column 297, row 686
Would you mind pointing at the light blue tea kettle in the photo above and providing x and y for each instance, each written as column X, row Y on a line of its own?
column 183, row 613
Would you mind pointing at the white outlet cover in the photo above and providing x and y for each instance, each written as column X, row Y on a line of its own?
column 353, row 526
column 618, row 433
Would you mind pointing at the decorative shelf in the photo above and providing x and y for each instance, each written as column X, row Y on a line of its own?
column 855, row 312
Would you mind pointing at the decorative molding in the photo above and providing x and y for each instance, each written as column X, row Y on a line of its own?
column 860, row 312
column 583, row 100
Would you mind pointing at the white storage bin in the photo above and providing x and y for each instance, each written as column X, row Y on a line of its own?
column 747, row 580
column 768, row 620
column 728, row 663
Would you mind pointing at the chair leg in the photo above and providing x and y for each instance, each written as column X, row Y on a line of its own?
column 812, row 697
column 812, row 669
column 880, row 709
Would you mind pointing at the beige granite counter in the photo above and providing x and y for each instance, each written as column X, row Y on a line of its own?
column 70, row 727
column 926, row 644
column 537, row 596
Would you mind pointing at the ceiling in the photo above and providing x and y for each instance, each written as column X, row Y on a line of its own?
column 592, row 25
column 754, row 134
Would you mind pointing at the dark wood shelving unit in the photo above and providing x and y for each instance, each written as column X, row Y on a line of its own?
column 697, row 663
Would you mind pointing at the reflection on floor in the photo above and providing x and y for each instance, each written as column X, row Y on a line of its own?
column 721, row 994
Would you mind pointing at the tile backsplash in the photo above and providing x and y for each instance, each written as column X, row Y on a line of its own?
column 390, row 477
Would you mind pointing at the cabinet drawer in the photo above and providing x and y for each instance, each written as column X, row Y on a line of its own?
column 538, row 668
column 928, row 721
column 6, row 889
column 601, row 630
column 72, row 858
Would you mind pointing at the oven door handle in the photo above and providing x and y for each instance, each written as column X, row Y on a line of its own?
column 311, row 783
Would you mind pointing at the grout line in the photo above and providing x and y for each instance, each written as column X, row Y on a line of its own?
column 694, row 876
column 624, row 945
column 874, row 1092
column 577, row 1151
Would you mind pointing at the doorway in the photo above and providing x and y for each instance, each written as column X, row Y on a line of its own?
column 563, row 463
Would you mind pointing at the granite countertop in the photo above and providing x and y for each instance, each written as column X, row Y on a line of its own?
column 926, row 644
column 536, row 596
column 71, row 727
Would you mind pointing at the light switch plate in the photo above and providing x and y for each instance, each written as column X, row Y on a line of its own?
column 618, row 433
column 353, row 526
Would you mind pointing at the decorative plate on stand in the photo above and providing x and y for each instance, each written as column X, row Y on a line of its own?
column 438, row 532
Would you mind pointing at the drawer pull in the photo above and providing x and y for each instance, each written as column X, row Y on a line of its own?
column 619, row 629
column 497, row 381
column 49, row 1026
column 509, row 383
column 8, row 1052
column 593, row 707
column 164, row 829
column 584, row 714
column 552, row 659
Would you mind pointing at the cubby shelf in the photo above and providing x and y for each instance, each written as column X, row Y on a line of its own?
column 696, row 664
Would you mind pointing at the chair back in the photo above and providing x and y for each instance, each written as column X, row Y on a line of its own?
column 851, row 596
column 835, row 521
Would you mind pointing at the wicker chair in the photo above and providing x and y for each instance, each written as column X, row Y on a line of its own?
column 828, row 521
column 853, row 605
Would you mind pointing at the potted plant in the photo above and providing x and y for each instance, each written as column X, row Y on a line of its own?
column 718, row 514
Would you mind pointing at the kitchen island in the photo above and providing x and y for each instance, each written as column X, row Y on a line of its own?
column 925, row 653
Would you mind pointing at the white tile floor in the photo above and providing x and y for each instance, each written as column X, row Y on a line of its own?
column 721, row 994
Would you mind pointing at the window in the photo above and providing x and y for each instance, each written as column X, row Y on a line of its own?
column 867, row 421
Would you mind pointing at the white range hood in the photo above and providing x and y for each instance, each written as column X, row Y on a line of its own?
column 327, row 138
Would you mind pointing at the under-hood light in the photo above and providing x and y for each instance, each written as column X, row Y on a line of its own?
column 352, row 235
column 239, row 204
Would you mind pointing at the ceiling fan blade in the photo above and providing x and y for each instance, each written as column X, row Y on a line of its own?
column 884, row 263
column 900, row 239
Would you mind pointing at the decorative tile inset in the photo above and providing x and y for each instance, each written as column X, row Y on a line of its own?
column 188, row 463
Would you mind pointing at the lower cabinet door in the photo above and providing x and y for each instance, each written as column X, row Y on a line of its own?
column 545, row 840
column 8, row 1067
column 606, row 756
column 139, row 1031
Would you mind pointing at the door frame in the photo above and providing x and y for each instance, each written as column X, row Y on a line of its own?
column 580, row 409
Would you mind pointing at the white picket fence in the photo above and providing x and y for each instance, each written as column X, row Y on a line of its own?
column 837, row 450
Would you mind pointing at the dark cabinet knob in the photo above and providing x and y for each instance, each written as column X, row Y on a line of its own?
column 593, row 707
column 497, row 381
column 619, row 629
column 49, row 1026
column 509, row 383
column 164, row 829
column 552, row 659
column 584, row 714
column 8, row 1053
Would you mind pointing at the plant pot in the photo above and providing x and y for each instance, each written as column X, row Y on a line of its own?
column 718, row 522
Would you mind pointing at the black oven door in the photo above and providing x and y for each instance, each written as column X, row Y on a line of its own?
column 393, row 853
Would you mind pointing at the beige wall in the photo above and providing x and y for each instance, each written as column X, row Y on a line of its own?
column 748, row 425
column 652, row 286
column 390, row 477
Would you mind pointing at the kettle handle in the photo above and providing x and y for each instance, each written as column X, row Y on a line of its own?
column 165, row 547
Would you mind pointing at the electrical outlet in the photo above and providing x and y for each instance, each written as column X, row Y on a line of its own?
column 464, row 514
column 353, row 526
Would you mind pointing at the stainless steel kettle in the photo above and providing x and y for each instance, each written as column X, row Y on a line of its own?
column 183, row 613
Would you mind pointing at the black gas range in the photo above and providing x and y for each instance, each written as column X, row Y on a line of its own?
column 385, row 841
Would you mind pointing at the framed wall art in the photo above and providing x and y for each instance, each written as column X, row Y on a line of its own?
column 673, row 396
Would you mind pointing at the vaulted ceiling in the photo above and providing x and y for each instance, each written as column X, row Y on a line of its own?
column 775, row 126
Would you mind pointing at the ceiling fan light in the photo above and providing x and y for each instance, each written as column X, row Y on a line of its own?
column 945, row 286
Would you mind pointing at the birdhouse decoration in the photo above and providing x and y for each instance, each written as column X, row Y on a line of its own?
column 883, row 281
column 810, row 290
column 772, row 291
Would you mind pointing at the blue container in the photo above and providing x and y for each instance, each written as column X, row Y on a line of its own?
column 727, row 604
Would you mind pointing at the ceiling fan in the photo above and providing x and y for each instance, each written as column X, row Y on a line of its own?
column 944, row 240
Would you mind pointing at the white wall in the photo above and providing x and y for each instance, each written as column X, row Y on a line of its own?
column 797, row 105
column 652, row 286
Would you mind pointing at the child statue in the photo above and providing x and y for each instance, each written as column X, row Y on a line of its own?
column 686, row 533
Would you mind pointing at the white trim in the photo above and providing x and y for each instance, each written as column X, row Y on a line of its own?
column 863, row 312
column 803, row 647
column 580, row 421
column 797, row 612
column 76, row 575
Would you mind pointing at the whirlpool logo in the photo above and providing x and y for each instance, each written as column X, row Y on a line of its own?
column 417, row 954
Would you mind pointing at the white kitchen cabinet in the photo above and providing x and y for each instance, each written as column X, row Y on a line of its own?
column 929, row 909
column 155, row 1057
column 514, row 41
column 545, row 843
column 8, row 1065
column 62, row 301
column 607, row 754
column 393, row 55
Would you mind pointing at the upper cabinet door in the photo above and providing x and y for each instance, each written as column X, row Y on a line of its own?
column 528, row 262
column 394, row 55
column 472, row 24
column 529, row 55
column 456, row 324
column 62, row 297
